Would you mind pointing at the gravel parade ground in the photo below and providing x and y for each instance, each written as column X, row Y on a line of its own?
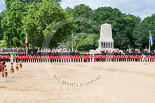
column 122, row 82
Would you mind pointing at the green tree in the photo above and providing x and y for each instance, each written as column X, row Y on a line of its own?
column 40, row 18
column 150, row 20
column 141, row 34
column 81, row 11
column 81, row 14
column 104, row 15
column 89, row 21
column 111, row 16
column 122, row 25
column 12, row 24
column 36, row 19
column 87, row 42
column 69, row 11
column 1, row 30
column 123, row 30
column 8, row 2
column 69, row 45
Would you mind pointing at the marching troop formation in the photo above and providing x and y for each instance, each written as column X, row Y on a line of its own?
column 12, row 72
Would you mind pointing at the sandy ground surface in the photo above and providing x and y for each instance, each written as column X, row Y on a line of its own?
column 81, row 83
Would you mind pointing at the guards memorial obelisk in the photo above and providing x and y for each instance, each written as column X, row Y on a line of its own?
column 106, row 41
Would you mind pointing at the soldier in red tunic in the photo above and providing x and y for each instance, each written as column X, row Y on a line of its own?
column 16, row 59
column 76, row 58
column 118, row 58
column 152, row 58
column 99, row 58
column 3, row 65
column 32, row 58
column 48, row 58
column 114, row 58
column 57, row 59
column 24, row 58
column 54, row 58
column 35, row 58
column 72, row 58
column 28, row 58
column 136, row 58
column 39, row 58
column 69, row 58
column 13, row 58
column 51, row 58
column 61, row 58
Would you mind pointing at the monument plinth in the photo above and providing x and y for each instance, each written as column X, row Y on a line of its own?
column 106, row 41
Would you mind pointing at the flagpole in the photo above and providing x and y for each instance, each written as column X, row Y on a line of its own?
column 72, row 40
column 27, row 44
column 149, row 41
column 26, row 50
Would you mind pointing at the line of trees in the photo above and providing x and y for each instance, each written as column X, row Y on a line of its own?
column 128, row 30
column 37, row 19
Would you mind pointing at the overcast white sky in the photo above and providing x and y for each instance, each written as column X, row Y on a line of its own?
column 2, row 5
column 142, row 8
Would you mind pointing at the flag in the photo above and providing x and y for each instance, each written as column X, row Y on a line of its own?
column 26, row 40
column 151, row 40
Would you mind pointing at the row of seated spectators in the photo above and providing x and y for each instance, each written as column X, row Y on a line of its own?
column 48, row 52
column 127, row 52
column 12, row 50
column 52, row 53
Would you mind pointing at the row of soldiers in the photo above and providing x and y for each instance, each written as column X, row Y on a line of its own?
column 5, row 57
column 82, row 58
column 4, row 71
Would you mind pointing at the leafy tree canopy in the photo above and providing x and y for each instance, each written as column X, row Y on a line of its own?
column 43, row 19
column 1, row 30
column 150, row 20
column 36, row 19
column 141, row 34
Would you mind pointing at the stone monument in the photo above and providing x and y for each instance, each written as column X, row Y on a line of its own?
column 106, row 41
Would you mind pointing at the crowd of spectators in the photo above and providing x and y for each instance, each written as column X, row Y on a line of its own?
column 129, row 52
column 49, row 52
column 54, row 52
column 12, row 50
